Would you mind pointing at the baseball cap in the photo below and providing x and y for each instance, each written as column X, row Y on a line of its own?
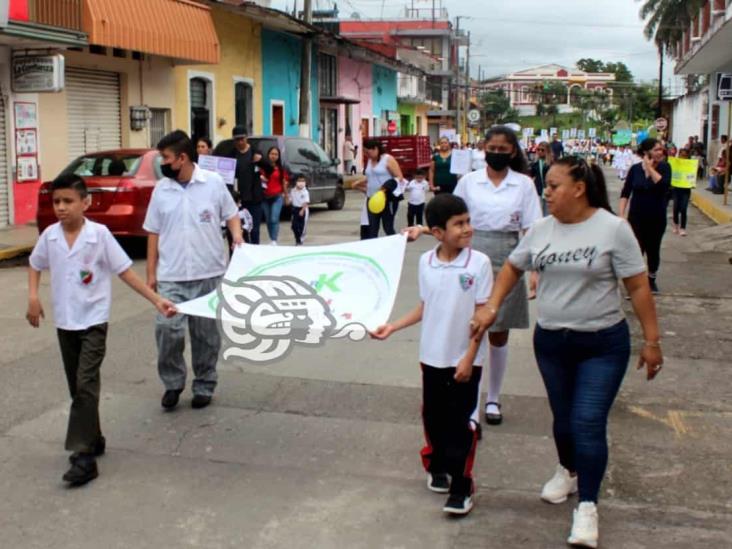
column 238, row 131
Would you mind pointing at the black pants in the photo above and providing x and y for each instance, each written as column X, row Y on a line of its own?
column 649, row 232
column 414, row 212
column 298, row 224
column 385, row 218
column 255, row 209
column 82, row 352
column 681, row 204
column 450, row 439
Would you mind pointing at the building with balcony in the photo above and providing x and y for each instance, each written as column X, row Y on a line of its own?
column 427, row 39
column 704, row 49
column 520, row 87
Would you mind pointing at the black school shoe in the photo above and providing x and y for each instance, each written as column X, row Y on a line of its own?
column 170, row 398
column 458, row 505
column 493, row 419
column 83, row 470
column 200, row 401
column 439, row 482
column 99, row 449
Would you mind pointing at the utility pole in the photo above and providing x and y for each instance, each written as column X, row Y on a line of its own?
column 467, row 87
column 305, row 69
column 457, row 75
column 659, row 110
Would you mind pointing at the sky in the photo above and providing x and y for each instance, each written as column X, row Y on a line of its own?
column 510, row 35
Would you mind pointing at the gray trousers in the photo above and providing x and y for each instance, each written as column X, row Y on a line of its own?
column 170, row 336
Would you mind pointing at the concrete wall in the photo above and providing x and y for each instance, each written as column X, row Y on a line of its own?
column 355, row 81
column 281, row 62
column 384, row 95
column 687, row 118
column 241, row 60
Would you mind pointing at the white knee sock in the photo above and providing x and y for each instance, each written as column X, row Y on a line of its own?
column 497, row 364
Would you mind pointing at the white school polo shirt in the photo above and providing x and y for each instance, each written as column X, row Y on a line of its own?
column 511, row 207
column 81, row 278
column 450, row 292
column 188, row 220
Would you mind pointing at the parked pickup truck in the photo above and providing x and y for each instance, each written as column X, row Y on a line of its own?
column 411, row 151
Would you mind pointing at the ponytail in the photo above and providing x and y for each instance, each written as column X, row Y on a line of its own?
column 593, row 178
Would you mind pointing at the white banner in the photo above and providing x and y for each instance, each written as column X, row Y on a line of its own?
column 274, row 297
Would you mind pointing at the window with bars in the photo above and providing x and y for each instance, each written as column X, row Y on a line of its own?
column 327, row 75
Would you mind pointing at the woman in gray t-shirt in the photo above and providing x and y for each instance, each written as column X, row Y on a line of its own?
column 582, row 341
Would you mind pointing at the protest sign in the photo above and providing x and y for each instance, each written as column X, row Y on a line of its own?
column 225, row 167
column 683, row 172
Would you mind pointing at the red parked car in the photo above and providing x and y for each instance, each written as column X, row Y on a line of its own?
column 120, row 183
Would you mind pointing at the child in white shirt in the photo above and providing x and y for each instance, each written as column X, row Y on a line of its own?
column 454, row 281
column 82, row 257
column 417, row 189
column 299, row 200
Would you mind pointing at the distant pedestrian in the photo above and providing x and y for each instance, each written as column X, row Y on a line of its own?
column 82, row 257
column 247, row 181
column 300, row 205
column 416, row 190
column 539, row 169
column 275, row 182
column 582, row 340
column 647, row 188
column 203, row 147
column 349, row 156
column 557, row 148
column 477, row 161
column 440, row 177
column 186, row 260
column 454, row 282
column 381, row 170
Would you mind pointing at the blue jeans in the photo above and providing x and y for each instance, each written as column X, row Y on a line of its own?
column 272, row 209
column 582, row 373
column 255, row 210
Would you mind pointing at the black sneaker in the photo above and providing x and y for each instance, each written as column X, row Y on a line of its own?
column 99, row 449
column 654, row 286
column 170, row 398
column 439, row 482
column 83, row 470
column 200, row 401
column 458, row 505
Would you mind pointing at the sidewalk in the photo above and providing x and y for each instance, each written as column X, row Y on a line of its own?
column 17, row 240
column 712, row 205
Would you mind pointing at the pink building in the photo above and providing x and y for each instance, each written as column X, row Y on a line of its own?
column 355, row 117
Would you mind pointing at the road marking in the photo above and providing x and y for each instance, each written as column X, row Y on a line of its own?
column 674, row 419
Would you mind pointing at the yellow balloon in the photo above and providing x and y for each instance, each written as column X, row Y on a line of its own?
column 377, row 202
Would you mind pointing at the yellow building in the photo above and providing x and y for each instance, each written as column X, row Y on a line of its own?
column 211, row 99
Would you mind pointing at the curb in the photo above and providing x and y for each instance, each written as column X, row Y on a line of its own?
column 14, row 251
column 717, row 213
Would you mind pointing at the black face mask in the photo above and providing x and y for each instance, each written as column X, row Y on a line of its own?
column 498, row 161
column 169, row 172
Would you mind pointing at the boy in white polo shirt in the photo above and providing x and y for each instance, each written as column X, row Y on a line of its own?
column 454, row 280
column 82, row 257
column 186, row 259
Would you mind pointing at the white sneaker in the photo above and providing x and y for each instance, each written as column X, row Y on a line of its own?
column 584, row 527
column 273, row 243
column 559, row 487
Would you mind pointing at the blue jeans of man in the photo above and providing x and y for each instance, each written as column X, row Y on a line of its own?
column 582, row 373
column 170, row 335
column 272, row 208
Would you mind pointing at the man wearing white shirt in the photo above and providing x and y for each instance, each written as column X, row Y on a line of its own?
column 478, row 160
column 185, row 260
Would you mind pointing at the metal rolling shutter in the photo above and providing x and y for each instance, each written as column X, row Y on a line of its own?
column 93, row 101
column 4, row 183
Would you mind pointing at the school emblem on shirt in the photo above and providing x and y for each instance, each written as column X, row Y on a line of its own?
column 205, row 216
column 86, row 277
column 466, row 281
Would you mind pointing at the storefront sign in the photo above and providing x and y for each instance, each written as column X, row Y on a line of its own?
column 42, row 73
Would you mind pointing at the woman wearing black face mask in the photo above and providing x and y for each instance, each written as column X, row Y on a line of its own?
column 503, row 203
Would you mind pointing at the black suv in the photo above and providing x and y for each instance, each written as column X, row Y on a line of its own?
column 300, row 156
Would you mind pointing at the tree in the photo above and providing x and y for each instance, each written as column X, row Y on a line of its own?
column 548, row 96
column 591, row 65
column 620, row 70
column 496, row 107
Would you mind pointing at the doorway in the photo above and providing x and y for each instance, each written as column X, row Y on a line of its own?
column 278, row 119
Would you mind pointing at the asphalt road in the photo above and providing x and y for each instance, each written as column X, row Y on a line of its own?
column 321, row 449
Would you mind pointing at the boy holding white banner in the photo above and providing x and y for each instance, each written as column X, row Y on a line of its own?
column 454, row 281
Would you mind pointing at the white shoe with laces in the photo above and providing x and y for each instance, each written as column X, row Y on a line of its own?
column 559, row 487
column 584, row 527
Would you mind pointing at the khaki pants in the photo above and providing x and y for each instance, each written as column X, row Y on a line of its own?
column 82, row 352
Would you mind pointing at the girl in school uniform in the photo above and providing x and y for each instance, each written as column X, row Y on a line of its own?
column 503, row 204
